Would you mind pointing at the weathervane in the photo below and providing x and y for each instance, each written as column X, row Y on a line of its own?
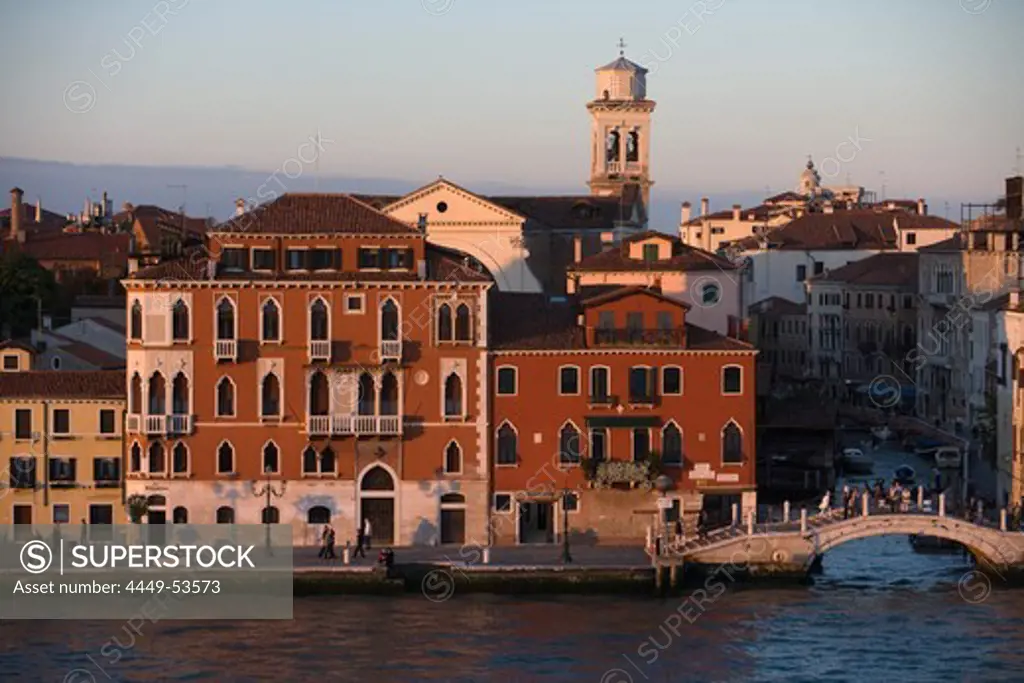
column 622, row 47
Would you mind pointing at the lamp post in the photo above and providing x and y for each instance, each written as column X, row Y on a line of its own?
column 269, row 491
column 663, row 484
column 566, row 557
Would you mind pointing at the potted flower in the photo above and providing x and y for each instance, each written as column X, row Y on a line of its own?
column 138, row 507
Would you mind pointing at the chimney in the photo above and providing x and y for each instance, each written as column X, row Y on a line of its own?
column 239, row 206
column 922, row 208
column 736, row 208
column 105, row 209
column 16, row 217
column 684, row 215
column 703, row 206
column 39, row 209
column 577, row 249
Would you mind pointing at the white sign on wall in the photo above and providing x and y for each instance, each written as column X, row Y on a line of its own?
column 702, row 470
column 728, row 478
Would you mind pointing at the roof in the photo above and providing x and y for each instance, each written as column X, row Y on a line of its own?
column 684, row 258
column 70, row 384
column 896, row 269
column 442, row 265
column 107, row 323
column 98, row 301
column 622, row 64
column 778, row 305
column 153, row 220
column 13, row 344
column 90, row 354
column 109, row 249
column 50, row 221
column 308, row 214
column 378, row 201
column 619, row 292
column 788, row 196
column 839, row 230
column 535, row 322
column 957, row 242
column 573, row 212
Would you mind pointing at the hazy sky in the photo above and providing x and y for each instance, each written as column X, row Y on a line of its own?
column 496, row 89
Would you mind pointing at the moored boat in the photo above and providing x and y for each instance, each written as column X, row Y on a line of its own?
column 933, row 544
column 855, row 462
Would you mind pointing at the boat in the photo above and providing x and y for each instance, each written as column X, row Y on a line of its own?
column 933, row 544
column 948, row 457
column 926, row 446
column 855, row 462
column 882, row 433
column 905, row 475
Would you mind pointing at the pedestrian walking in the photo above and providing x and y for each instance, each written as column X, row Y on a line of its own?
column 323, row 541
column 330, row 543
column 367, row 532
column 826, row 502
column 360, row 542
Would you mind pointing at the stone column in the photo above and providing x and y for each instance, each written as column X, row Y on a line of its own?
column 735, row 514
column 803, row 520
column 942, row 505
column 1002, row 519
column 864, row 500
column 785, row 511
column 920, row 497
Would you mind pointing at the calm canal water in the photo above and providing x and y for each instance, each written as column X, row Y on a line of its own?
column 879, row 612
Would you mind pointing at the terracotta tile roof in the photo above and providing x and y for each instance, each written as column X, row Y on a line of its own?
column 378, row 201
column 957, row 242
column 442, row 264
column 63, row 384
column 777, row 305
column 788, row 196
column 50, row 222
column 572, row 212
column 884, row 270
column 307, row 214
column 13, row 344
column 153, row 220
column 684, row 258
column 840, row 230
column 108, row 249
column 535, row 322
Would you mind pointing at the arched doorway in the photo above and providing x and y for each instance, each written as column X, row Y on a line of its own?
column 156, row 515
column 453, row 518
column 377, row 504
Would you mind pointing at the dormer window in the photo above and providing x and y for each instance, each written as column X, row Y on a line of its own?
column 385, row 259
column 234, row 259
column 650, row 252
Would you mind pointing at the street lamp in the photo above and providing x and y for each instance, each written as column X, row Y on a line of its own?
column 268, row 490
column 663, row 484
column 566, row 557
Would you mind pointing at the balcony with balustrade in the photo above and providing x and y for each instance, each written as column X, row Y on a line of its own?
column 355, row 404
column 635, row 337
column 320, row 350
column 225, row 350
column 159, row 424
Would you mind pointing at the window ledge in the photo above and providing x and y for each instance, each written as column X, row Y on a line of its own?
column 228, row 475
column 507, row 465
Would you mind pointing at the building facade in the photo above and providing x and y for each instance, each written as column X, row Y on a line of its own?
column 60, row 442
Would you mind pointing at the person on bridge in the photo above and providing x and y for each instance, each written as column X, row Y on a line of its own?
column 826, row 502
column 905, row 502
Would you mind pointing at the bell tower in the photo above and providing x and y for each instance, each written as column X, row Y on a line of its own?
column 620, row 129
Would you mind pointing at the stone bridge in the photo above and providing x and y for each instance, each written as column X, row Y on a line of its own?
column 793, row 547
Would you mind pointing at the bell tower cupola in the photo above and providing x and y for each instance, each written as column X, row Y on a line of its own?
column 620, row 129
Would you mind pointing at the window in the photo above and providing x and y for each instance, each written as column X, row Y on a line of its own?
column 61, row 513
column 22, row 424
column 225, row 515
column 234, row 259
column 671, row 445
column 106, row 472
column 503, row 502
column 179, row 516
column 369, row 257
column 295, row 259
column 157, row 394
column 507, row 381
column 641, row 385
column 650, row 252
column 569, row 445
column 819, row 267
column 225, row 398
column 135, row 324
column 179, row 459
column 732, row 380
column 225, row 458
column 23, row 472
column 270, row 395
column 55, row 363
column 911, row 238
column 908, row 301
column 62, row 471
column 61, row 422
column 453, row 459
column 396, row 259
column 453, row 396
column 634, row 321
column 225, row 319
column 672, row 381
column 323, row 259
column 641, row 444
column 107, row 421
column 327, row 461
column 270, row 458
column 599, row 385
column 179, row 321
column 606, row 320
column 801, row 273
column 156, row 458
column 315, row 464
column 135, row 459
column 270, row 313
column 507, row 445
column 10, row 362
column 445, row 327
column 599, row 444
column 463, row 324
column 664, row 319
column 732, row 445
column 354, row 303
column 319, row 321
column 264, row 259
column 710, row 294
column 318, row 514
column 270, row 515
column 569, row 380
column 869, row 300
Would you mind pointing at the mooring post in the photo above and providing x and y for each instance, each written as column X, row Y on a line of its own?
column 487, row 554
column 750, row 523
column 346, row 555
column 865, row 503
column 920, row 498
column 1002, row 519
column 785, row 511
column 803, row 520
column 673, row 576
column 735, row 514
column 942, row 505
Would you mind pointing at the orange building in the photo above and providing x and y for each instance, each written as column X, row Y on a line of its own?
column 326, row 348
column 595, row 396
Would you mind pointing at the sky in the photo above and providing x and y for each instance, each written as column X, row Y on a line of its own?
column 480, row 90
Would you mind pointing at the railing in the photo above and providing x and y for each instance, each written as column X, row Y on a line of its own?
column 179, row 424
column 134, row 423
column 225, row 349
column 156, row 424
column 320, row 349
column 613, row 167
column 391, row 349
column 353, row 425
column 636, row 337
column 634, row 167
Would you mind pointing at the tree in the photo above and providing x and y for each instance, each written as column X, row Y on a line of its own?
column 24, row 286
column 138, row 507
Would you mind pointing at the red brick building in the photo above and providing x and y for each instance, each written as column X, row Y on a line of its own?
column 598, row 395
